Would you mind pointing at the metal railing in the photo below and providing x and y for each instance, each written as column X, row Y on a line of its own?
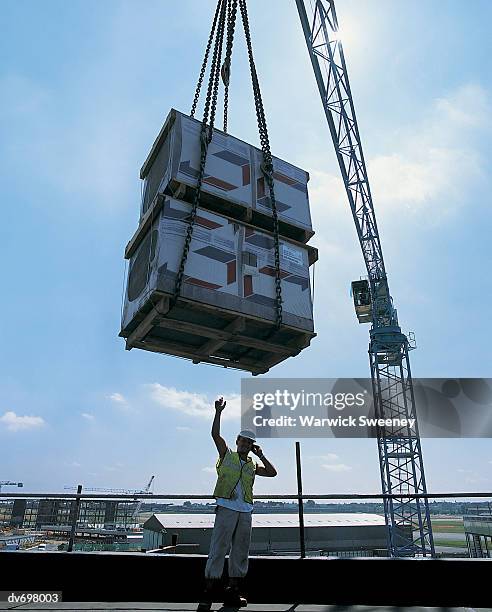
column 299, row 497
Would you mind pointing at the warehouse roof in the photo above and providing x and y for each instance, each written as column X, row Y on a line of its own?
column 205, row 521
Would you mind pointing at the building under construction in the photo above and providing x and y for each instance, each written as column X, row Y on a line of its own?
column 43, row 514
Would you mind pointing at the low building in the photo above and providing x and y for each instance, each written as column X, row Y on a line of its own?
column 325, row 534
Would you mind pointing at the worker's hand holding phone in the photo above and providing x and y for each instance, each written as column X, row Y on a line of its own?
column 256, row 450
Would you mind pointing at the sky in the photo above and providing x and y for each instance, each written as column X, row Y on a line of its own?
column 85, row 87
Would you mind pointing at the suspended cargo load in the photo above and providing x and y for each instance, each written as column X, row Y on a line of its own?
column 233, row 182
column 226, row 310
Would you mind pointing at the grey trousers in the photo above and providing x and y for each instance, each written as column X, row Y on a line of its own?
column 231, row 534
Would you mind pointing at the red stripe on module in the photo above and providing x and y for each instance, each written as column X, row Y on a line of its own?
column 260, row 188
column 216, row 182
column 246, row 174
column 284, row 179
column 231, row 272
column 207, row 222
column 269, row 271
column 248, row 285
column 201, row 283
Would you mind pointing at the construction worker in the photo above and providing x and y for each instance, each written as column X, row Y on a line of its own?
column 236, row 472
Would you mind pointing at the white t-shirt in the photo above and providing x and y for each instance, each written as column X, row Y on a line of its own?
column 238, row 504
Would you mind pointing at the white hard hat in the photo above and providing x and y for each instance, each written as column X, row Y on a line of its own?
column 246, row 433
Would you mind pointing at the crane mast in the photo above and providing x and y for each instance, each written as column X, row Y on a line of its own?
column 400, row 453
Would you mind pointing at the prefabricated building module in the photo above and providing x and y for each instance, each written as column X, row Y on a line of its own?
column 226, row 311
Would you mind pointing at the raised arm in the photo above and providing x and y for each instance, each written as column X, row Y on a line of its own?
column 220, row 443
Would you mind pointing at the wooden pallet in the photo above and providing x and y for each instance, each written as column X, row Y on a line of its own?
column 239, row 211
column 209, row 334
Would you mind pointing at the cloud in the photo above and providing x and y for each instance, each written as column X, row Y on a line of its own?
column 118, row 398
column 183, row 428
column 331, row 462
column 430, row 168
column 193, row 404
column 468, row 106
column 86, row 415
column 336, row 467
column 437, row 159
column 422, row 176
column 210, row 470
column 121, row 402
column 14, row 422
column 327, row 457
column 74, row 464
column 417, row 180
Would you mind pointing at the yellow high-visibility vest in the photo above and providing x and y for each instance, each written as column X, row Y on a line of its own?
column 230, row 471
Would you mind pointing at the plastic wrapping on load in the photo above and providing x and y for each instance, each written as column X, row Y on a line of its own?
column 230, row 265
column 233, row 183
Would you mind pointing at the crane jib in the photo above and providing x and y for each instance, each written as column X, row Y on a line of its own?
column 401, row 462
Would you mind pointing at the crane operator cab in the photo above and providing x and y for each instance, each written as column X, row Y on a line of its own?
column 362, row 300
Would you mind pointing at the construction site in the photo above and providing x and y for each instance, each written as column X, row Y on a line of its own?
column 232, row 320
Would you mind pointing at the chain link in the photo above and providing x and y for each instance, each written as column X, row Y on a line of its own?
column 206, row 133
column 267, row 165
column 226, row 12
column 226, row 67
column 205, row 62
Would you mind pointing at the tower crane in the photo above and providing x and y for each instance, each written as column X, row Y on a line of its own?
column 140, row 501
column 123, row 492
column 400, row 453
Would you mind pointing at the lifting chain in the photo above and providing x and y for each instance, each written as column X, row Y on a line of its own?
column 226, row 67
column 267, row 165
column 205, row 62
column 225, row 13
column 206, row 132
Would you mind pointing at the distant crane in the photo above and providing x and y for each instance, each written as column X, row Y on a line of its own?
column 106, row 490
column 135, row 513
column 400, row 453
column 122, row 491
column 139, row 505
column 9, row 483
